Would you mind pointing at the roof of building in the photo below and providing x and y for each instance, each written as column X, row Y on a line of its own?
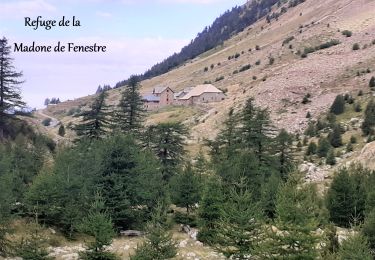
column 200, row 89
column 159, row 90
column 150, row 98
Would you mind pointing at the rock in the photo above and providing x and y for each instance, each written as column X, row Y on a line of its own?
column 191, row 254
column 342, row 234
column 193, row 234
column 354, row 121
column 71, row 256
column 198, row 243
column 185, row 228
column 52, row 231
column 126, row 247
column 131, row 233
column 183, row 243
column 367, row 156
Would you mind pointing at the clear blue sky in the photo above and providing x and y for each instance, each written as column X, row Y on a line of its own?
column 137, row 33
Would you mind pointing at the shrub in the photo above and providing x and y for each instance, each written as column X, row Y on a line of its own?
column 235, row 72
column 237, row 55
column 357, row 108
column 303, row 55
column 306, row 99
column 219, row 78
column 212, row 66
column 205, row 69
column 244, row 68
column 61, row 130
column 353, row 139
column 338, row 105
column 257, row 47
column 271, row 60
column 372, row 82
column 254, row 77
column 331, row 160
column 356, row 47
column 347, row 33
column 186, row 219
column 308, row 115
column 257, row 62
column 360, row 93
column 46, row 122
column 311, row 149
column 288, row 40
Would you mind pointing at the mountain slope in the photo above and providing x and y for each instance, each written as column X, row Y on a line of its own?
column 280, row 86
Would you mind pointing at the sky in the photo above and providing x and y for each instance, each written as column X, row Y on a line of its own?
column 137, row 34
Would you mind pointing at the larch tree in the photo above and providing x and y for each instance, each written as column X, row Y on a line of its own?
column 95, row 122
column 10, row 94
column 129, row 115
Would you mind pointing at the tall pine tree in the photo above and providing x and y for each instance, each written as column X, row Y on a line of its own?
column 129, row 115
column 10, row 96
column 95, row 122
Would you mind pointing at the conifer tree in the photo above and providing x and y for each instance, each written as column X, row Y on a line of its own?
column 323, row 147
column 210, row 210
column 167, row 142
column 297, row 216
column 338, row 105
column 239, row 227
column 269, row 193
column 284, row 153
column 331, row 160
column 256, row 130
column 311, row 149
column 99, row 225
column 62, row 130
column 334, row 137
column 95, row 122
column 345, row 198
column 355, row 247
column 10, row 96
column 369, row 120
column 186, row 189
column 369, row 228
column 130, row 112
column 159, row 244
column 372, row 82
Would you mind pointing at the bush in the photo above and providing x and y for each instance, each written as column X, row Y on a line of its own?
column 183, row 218
column 347, row 33
column 372, row 82
column 257, row 62
column 271, row 60
column 46, row 122
column 219, row 78
column 288, row 40
column 356, row 47
column 205, row 69
column 61, row 130
column 237, row 55
column 244, row 68
column 338, row 105
column 257, row 47
column 304, row 55
column 331, row 160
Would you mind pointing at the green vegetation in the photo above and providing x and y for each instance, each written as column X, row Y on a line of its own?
column 356, row 47
column 347, row 33
column 338, row 105
column 47, row 121
column 322, row 46
column 288, row 40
